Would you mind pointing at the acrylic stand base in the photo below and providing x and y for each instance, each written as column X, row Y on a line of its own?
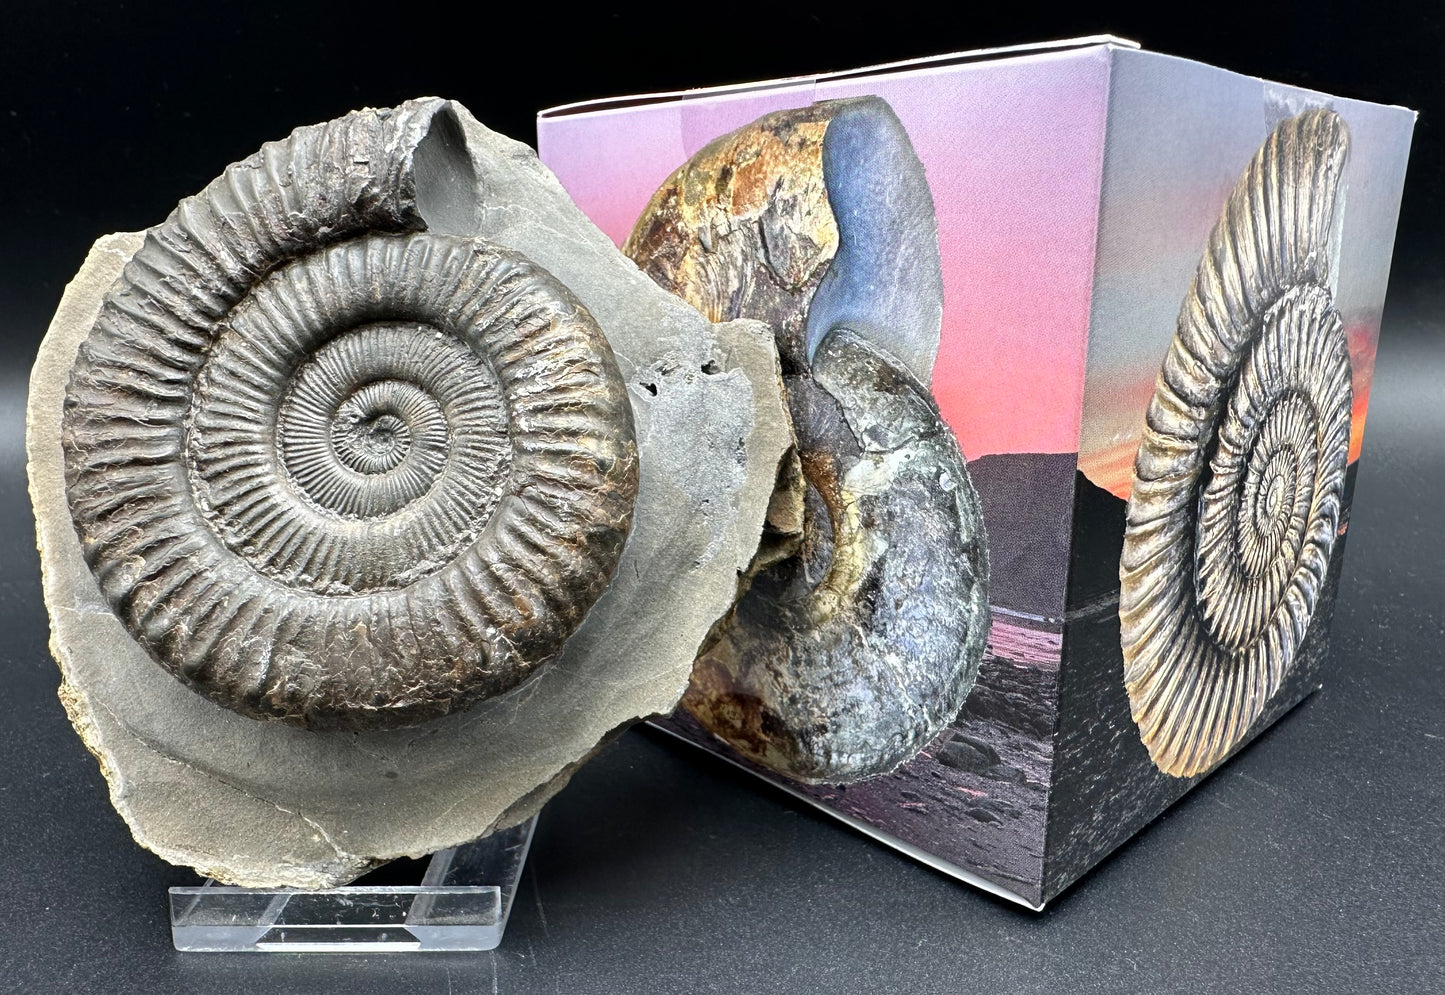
column 462, row 903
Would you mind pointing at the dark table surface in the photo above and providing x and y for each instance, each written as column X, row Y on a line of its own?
column 1315, row 861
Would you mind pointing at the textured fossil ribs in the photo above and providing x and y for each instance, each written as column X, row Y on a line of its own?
column 1240, row 472
column 331, row 460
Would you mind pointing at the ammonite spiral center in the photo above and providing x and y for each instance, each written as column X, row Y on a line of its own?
column 1258, row 510
column 375, row 427
column 373, row 443
column 1278, row 489
column 389, row 446
column 369, row 424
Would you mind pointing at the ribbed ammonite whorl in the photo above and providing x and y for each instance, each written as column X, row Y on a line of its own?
column 1240, row 472
column 845, row 656
column 333, row 462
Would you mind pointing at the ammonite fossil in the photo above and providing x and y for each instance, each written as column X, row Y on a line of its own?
column 1240, row 472
column 276, row 804
column 852, row 649
column 331, row 459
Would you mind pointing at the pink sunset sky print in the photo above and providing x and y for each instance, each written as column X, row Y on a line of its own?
column 1016, row 211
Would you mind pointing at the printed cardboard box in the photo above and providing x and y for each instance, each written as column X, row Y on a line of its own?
column 1145, row 294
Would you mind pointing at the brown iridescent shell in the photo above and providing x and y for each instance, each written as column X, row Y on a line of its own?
column 854, row 646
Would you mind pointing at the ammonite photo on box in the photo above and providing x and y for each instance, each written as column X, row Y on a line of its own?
column 1240, row 476
column 921, row 246
column 856, row 644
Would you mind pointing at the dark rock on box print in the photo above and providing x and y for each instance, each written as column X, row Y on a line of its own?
column 1108, row 318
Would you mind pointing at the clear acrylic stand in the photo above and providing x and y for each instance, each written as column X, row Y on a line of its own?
column 462, row 903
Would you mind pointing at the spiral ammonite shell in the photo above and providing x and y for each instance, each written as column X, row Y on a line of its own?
column 845, row 657
column 331, row 461
column 1240, row 472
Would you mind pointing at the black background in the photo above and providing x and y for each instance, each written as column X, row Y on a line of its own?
column 1312, row 862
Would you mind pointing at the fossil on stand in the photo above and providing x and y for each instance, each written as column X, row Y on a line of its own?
column 375, row 491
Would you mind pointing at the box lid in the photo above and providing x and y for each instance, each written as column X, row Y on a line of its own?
column 955, row 58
